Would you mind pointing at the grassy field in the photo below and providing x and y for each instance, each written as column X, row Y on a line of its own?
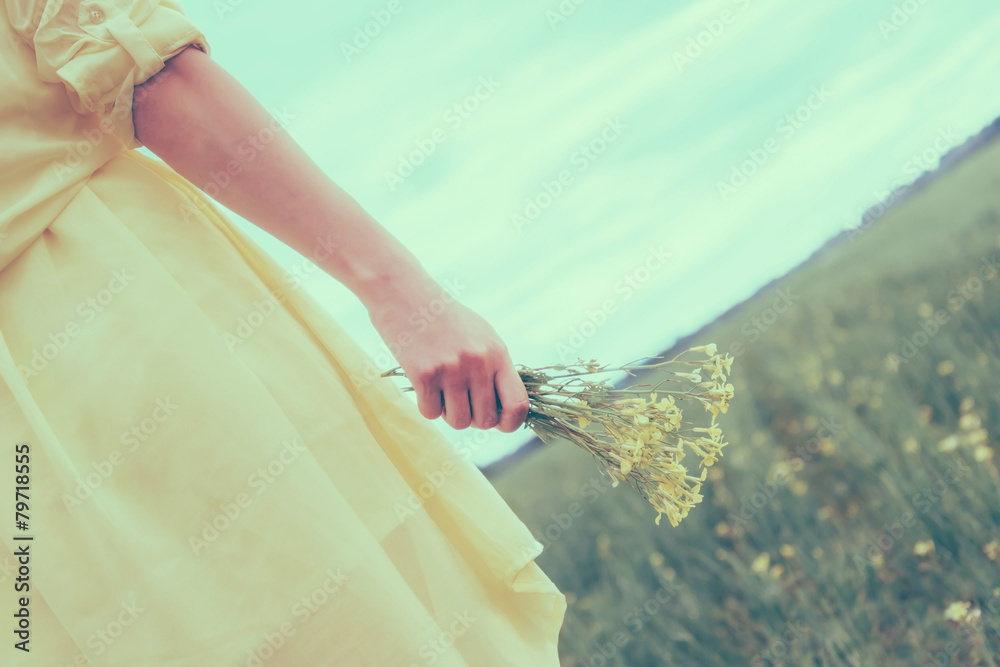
column 858, row 498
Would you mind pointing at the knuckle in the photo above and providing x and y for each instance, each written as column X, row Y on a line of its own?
column 485, row 419
column 496, row 350
column 426, row 374
column 428, row 412
column 519, row 410
column 507, row 426
column 473, row 357
column 449, row 365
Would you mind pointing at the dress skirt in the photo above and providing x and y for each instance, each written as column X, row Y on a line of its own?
column 215, row 476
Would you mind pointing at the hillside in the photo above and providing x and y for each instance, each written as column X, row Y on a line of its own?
column 858, row 498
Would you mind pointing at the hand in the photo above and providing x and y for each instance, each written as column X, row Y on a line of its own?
column 455, row 361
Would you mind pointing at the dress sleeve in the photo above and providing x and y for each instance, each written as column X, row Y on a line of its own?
column 101, row 49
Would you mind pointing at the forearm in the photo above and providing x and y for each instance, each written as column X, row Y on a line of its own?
column 197, row 116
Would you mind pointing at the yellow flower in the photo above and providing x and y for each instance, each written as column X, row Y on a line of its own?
column 714, row 432
column 728, row 362
column 720, row 397
column 761, row 563
column 722, row 391
column 641, row 402
column 641, row 432
column 714, row 365
column 957, row 611
column 635, row 405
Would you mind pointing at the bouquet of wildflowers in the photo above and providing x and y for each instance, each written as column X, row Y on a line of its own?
column 636, row 434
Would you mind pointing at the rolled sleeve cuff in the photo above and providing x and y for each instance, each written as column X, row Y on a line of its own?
column 115, row 46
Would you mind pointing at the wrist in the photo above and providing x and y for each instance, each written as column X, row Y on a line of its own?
column 398, row 288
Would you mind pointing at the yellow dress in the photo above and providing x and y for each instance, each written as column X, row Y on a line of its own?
column 211, row 479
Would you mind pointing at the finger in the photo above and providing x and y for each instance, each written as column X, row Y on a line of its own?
column 429, row 398
column 513, row 398
column 457, row 411
column 482, row 391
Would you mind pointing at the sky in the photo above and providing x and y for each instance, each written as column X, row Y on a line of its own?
column 643, row 167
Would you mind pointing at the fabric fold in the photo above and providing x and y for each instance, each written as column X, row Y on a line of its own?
column 245, row 477
column 101, row 49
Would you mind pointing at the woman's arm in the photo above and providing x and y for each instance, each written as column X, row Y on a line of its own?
column 194, row 115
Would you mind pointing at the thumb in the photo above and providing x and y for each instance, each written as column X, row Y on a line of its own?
column 512, row 398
